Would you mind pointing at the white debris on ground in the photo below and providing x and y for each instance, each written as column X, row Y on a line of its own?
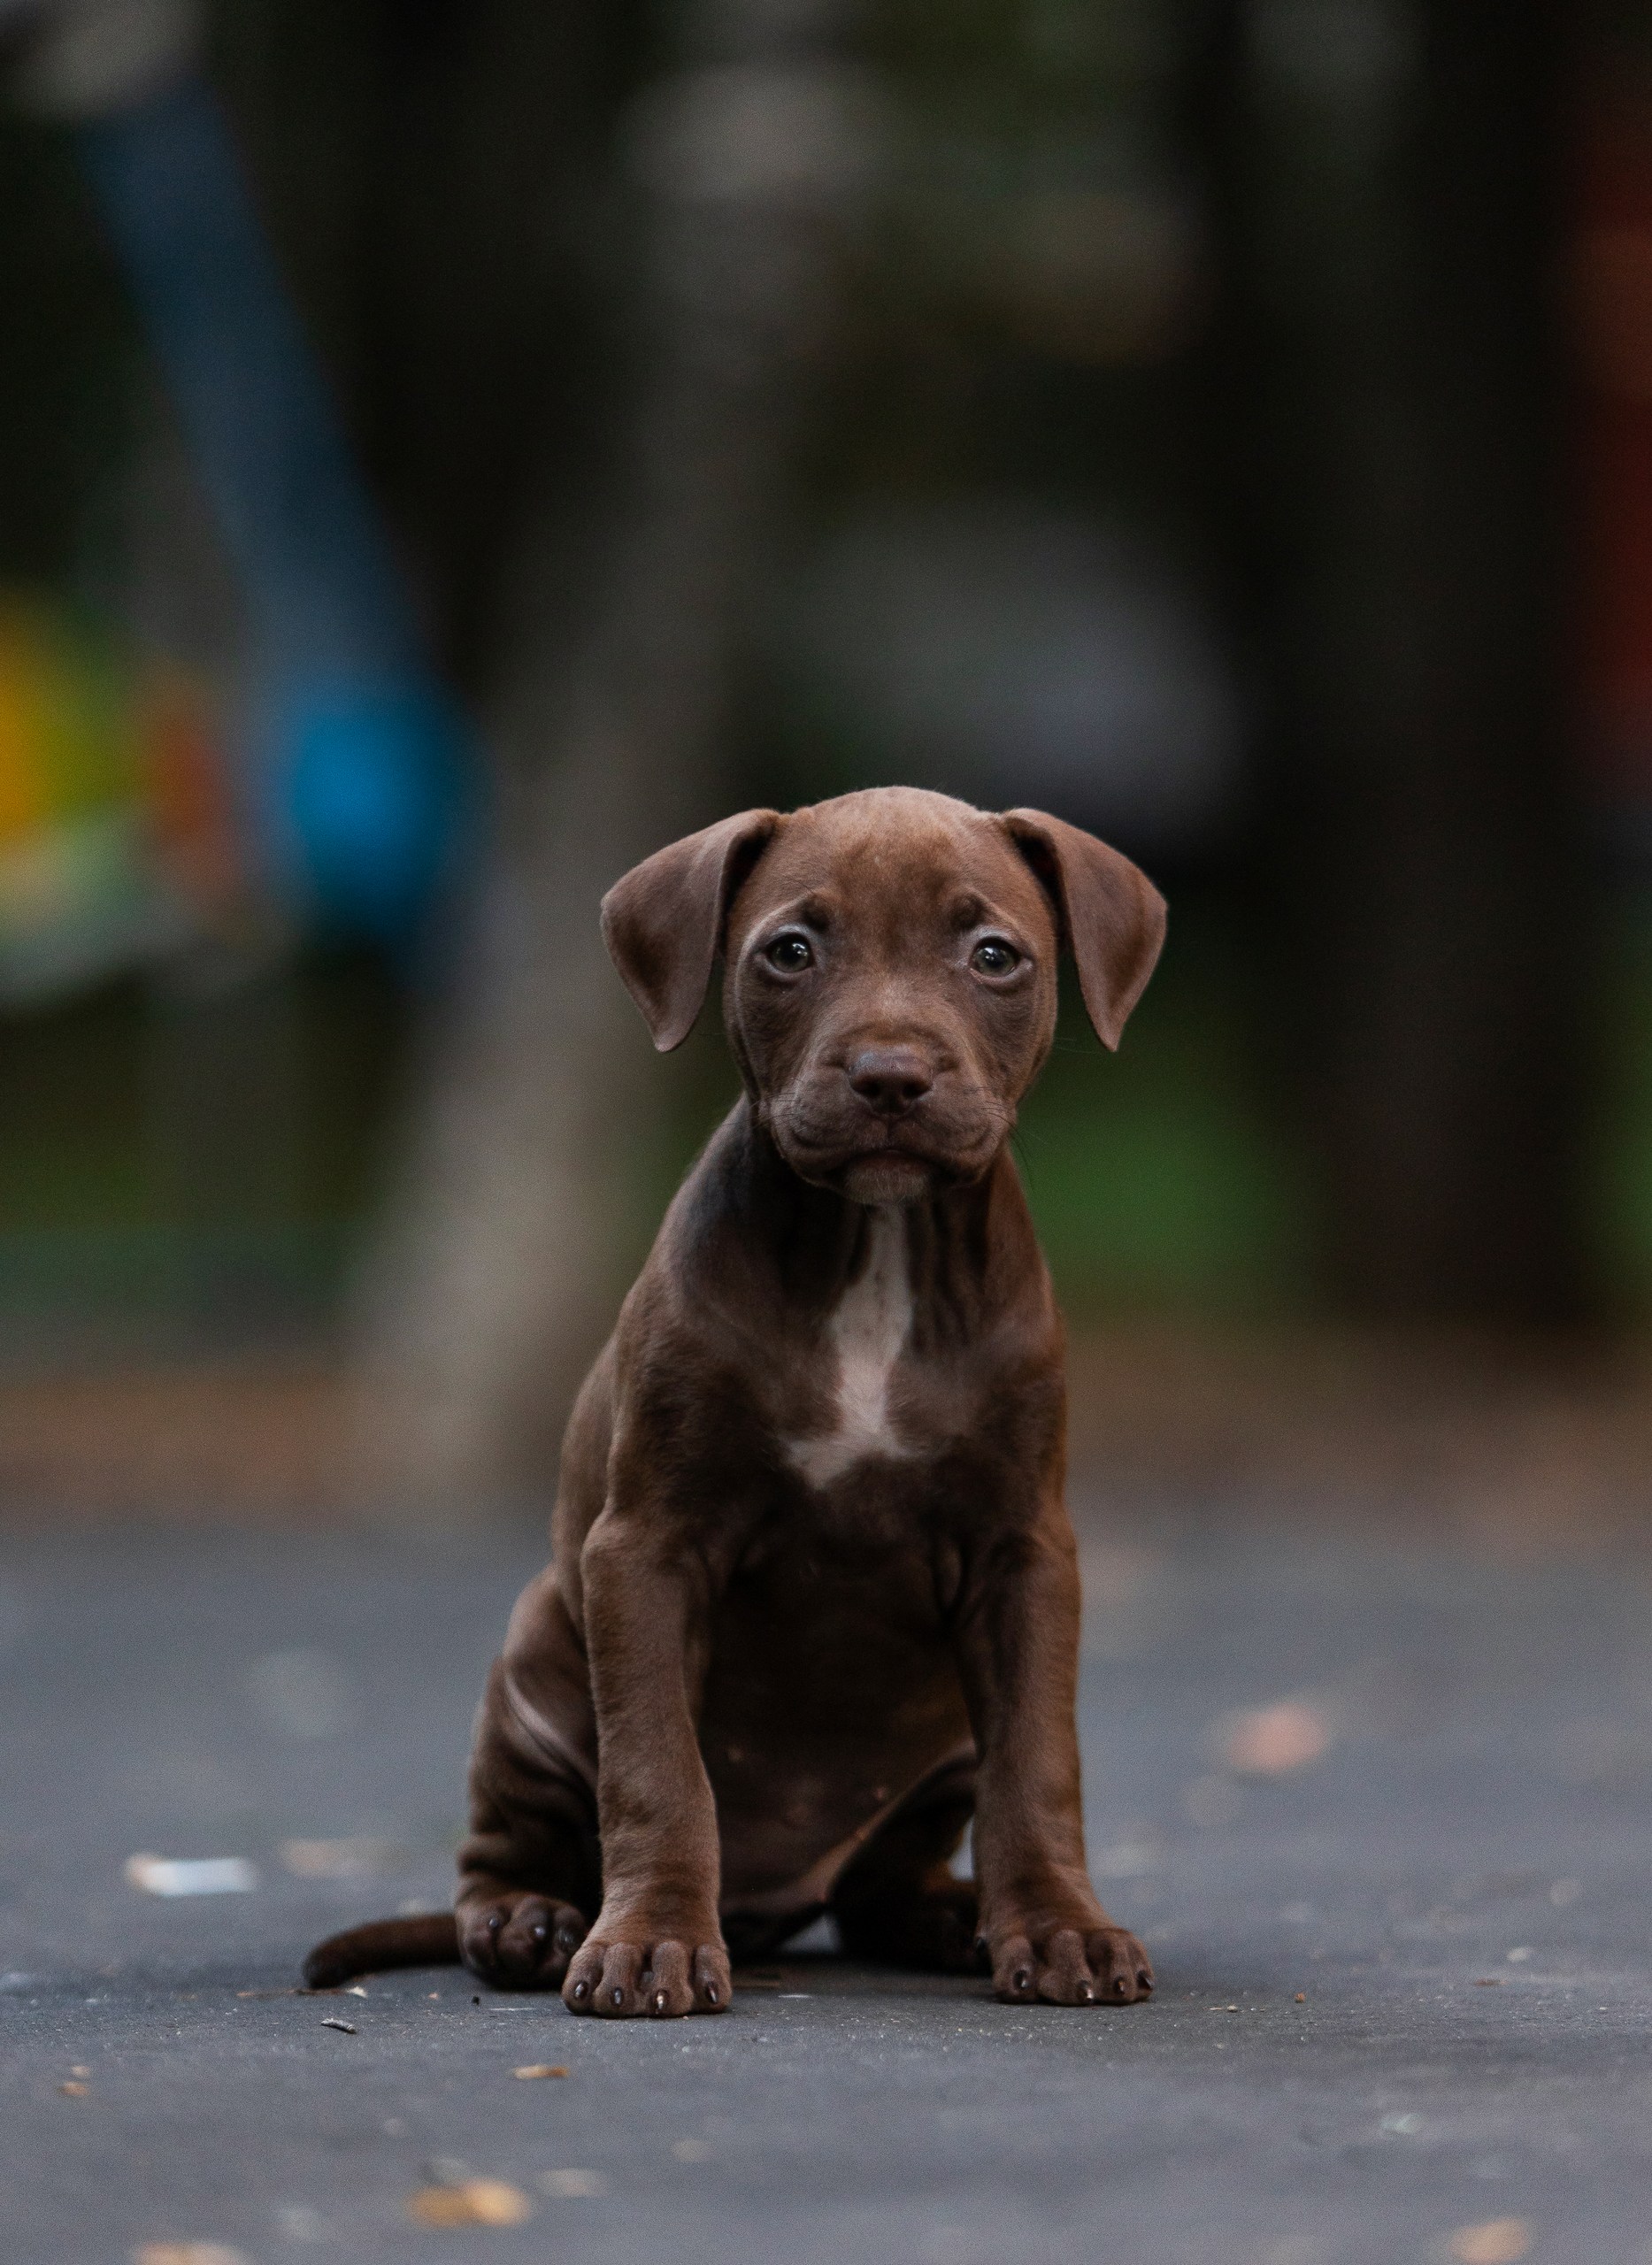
column 191, row 1875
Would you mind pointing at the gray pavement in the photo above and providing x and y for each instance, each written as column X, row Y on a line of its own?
column 1405, row 1986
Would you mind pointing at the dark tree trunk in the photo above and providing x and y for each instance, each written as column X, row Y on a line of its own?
column 622, row 621
column 1391, row 401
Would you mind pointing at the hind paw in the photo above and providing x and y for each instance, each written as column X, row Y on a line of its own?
column 518, row 1940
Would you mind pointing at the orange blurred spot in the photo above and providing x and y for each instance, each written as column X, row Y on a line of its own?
column 1269, row 1741
column 186, row 790
column 1499, row 2241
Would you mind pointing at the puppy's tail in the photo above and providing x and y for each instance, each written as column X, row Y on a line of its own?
column 432, row 1940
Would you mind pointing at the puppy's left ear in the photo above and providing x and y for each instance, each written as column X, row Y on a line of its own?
column 1111, row 915
column 663, row 921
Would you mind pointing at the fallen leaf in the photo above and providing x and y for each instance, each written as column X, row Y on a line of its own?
column 331, row 2022
column 80, row 2070
column 1489, row 1981
column 75, row 2090
column 472, row 2202
column 191, row 1875
column 1499, row 2241
column 573, row 2185
column 1301, row 1997
column 187, row 2253
column 1270, row 1741
column 540, row 2068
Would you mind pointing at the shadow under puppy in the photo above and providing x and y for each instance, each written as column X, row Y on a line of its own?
column 814, row 1594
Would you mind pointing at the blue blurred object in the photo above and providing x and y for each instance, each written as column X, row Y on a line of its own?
column 367, row 801
column 361, row 780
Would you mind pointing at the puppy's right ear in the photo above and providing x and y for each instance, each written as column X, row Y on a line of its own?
column 663, row 921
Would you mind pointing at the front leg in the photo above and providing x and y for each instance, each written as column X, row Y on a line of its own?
column 656, row 1946
column 1045, row 1930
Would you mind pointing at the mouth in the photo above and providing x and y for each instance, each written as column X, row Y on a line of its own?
column 893, row 1169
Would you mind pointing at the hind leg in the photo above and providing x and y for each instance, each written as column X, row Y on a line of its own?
column 530, row 1868
column 897, row 1903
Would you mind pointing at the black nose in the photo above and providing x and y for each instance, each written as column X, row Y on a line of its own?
column 890, row 1080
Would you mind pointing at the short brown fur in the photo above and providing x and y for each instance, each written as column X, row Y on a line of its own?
column 814, row 1599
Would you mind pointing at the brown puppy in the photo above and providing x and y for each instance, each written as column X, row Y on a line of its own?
column 814, row 1596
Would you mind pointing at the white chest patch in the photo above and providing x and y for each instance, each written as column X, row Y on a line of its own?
column 865, row 1334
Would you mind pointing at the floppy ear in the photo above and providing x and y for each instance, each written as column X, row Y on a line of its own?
column 663, row 921
column 1111, row 915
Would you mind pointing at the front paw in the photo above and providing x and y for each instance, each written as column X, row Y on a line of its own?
column 1087, row 1965
column 634, row 1971
column 518, row 1940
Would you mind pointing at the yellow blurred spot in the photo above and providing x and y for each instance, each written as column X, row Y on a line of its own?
column 472, row 2202
column 187, row 2253
column 1499, row 2241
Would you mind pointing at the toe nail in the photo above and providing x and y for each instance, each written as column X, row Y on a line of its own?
column 580, row 1989
column 1120, row 1986
column 494, row 1922
column 659, row 2001
column 1086, row 1994
column 711, row 1993
column 619, row 1997
column 540, row 1931
column 565, row 1938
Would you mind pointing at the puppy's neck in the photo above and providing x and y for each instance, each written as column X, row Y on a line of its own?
column 964, row 1245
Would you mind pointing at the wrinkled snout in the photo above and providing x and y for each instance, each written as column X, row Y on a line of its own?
column 888, row 1115
column 891, row 1080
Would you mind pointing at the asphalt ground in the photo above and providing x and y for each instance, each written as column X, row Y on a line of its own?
column 1398, row 1917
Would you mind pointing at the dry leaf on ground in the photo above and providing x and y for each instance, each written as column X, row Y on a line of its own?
column 188, row 2253
column 540, row 2068
column 1271, row 1741
column 1499, row 2241
column 472, row 2202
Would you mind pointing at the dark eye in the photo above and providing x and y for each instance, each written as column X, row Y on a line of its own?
column 791, row 954
column 993, row 956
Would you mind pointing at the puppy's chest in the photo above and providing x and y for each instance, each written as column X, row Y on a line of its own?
column 862, row 1407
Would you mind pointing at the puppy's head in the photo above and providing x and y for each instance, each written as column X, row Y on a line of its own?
column 891, row 971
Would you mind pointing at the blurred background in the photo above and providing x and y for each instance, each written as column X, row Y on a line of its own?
column 447, row 451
